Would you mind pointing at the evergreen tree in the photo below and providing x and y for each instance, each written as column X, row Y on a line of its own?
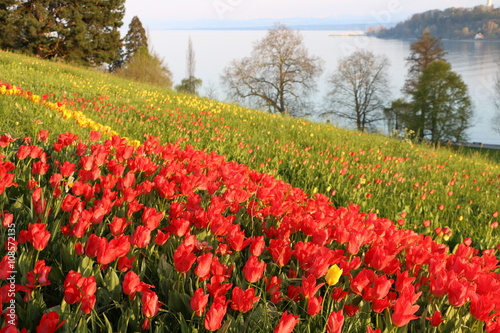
column 423, row 52
column 442, row 108
column 91, row 34
column 30, row 27
column 84, row 31
column 8, row 28
column 135, row 38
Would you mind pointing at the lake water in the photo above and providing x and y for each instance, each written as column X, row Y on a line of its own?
column 475, row 61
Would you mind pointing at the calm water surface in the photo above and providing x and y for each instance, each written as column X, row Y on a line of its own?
column 475, row 61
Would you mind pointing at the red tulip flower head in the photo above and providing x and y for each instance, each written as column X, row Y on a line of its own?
column 243, row 300
column 287, row 323
column 49, row 323
column 214, row 316
column 199, row 302
column 254, row 269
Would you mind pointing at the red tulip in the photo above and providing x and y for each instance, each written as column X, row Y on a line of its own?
column 94, row 135
column 314, row 305
column 335, row 322
column 439, row 284
column 161, row 238
column 202, row 270
column 381, row 287
column 236, row 238
column 38, row 236
column 309, row 287
column 280, row 251
column 118, row 225
column 132, row 284
column 49, row 323
column 243, row 300
column 458, row 292
column 287, row 323
column 151, row 218
column 23, row 152
column 39, row 276
column 351, row 310
column 125, row 263
column 6, row 267
column 338, row 294
column 481, row 307
column 5, row 140
column 436, row 319
column 116, row 248
column 7, row 219
column 94, row 245
column 199, row 301
column 404, row 308
column 214, row 316
column 69, row 202
column 150, row 304
column 253, row 269
column 184, row 258
column 216, row 288
column 362, row 280
column 40, row 168
column 257, row 246
column 141, row 237
column 80, row 289
column 67, row 169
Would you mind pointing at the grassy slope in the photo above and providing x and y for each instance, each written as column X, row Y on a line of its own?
column 381, row 174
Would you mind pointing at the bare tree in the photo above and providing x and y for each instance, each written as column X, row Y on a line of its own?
column 279, row 74
column 423, row 52
column 191, row 83
column 191, row 61
column 359, row 88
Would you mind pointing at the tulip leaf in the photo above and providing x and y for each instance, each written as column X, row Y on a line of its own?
column 111, row 280
column 184, row 326
column 109, row 328
column 225, row 326
column 82, row 326
column 18, row 204
column 85, row 266
column 179, row 303
column 127, row 315
column 68, row 256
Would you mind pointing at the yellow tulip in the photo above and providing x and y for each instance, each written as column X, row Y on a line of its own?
column 333, row 275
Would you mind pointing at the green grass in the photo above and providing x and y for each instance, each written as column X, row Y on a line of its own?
column 383, row 175
column 492, row 154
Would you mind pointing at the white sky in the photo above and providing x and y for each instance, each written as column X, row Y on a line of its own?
column 155, row 11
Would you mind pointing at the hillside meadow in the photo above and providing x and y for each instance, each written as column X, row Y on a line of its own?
column 127, row 207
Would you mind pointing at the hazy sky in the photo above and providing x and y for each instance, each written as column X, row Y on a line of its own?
column 152, row 12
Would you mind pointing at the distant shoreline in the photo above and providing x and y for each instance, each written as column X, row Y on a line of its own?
column 443, row 39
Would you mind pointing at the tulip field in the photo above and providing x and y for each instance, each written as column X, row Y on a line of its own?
column 129, row 208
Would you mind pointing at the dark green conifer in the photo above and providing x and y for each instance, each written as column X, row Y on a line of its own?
column 83, row 31
column 135, row 38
